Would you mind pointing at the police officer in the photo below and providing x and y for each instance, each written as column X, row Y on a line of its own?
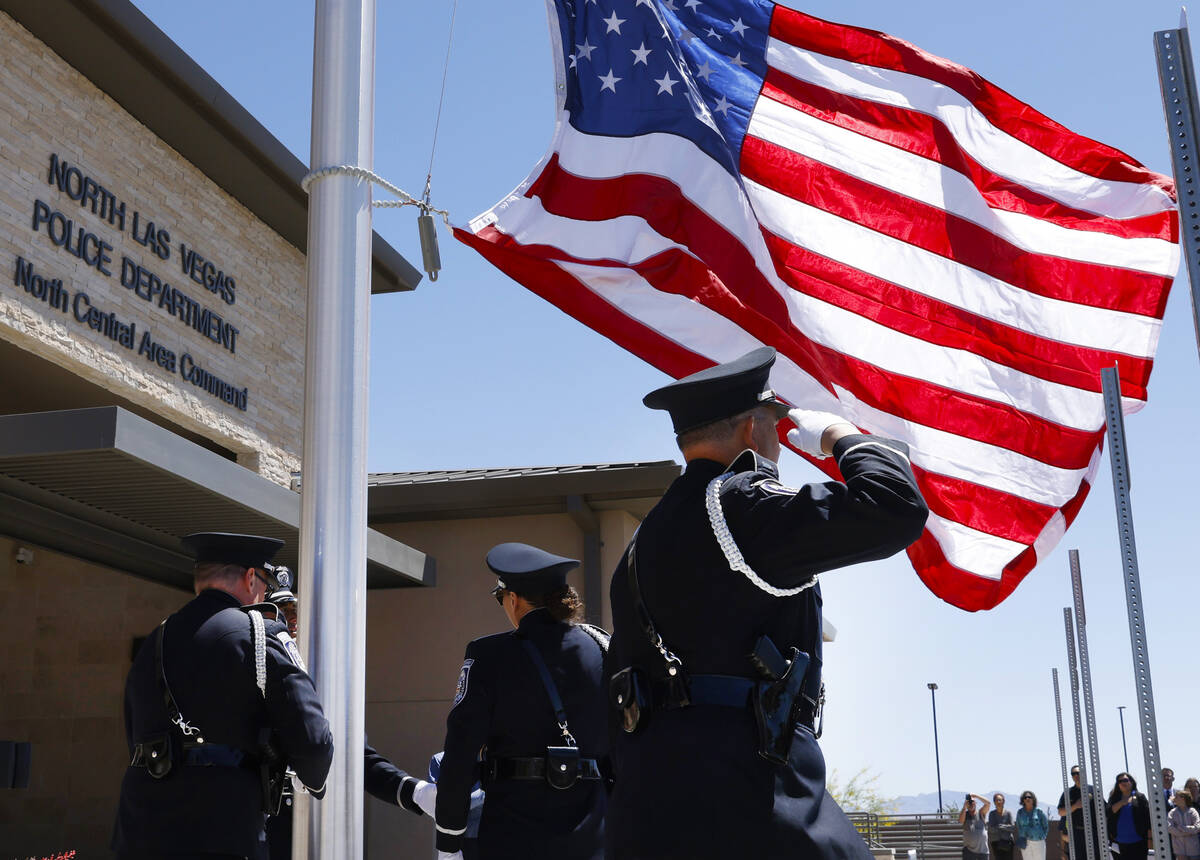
column 215, row 705
column 715, row 663
column 532, row 700
column 381, row 778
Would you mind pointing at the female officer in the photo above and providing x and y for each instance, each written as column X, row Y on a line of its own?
column 529, row 721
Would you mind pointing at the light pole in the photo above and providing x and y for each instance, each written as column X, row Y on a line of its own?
column 1121, row 714
column 936, row 756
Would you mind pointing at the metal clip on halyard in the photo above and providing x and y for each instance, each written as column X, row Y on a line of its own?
column 430, row 257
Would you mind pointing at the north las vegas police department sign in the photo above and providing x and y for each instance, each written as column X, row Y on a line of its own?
column 72, row 189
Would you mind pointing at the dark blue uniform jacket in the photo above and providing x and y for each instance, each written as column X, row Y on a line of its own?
column 690, row 784
column 209, row 665
column 501, row 705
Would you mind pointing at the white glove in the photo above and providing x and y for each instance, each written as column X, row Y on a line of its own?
column 425, row 796
column 442, row 855
column 810, row 427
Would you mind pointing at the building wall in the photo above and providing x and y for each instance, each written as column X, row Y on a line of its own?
column 53, row 265
column 65, row 648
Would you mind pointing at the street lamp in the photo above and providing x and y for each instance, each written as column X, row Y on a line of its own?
column 1121, row 713
column 936, row 756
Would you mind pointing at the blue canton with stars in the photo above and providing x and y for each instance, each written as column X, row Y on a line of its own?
column 688, row 67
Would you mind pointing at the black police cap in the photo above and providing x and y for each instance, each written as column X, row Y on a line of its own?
column 719, row 392
column 226, row 548
column 526, row 569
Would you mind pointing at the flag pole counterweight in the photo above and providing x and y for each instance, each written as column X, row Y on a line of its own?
column 333, row 521
column 1177, row 81
column 1133, row 600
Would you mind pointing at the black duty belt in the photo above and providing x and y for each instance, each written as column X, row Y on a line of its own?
column 733, row 691
column 201, row 755
column 532, row 768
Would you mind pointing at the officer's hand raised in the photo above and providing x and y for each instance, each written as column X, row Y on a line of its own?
column 810, row 435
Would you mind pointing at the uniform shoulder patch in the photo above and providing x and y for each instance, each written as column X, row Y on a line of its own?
column 293, row 651
column 464, row 676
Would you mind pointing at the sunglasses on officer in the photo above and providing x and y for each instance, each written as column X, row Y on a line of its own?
column 498, row 592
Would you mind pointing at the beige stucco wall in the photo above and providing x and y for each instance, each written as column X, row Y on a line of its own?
column 48, row 109
column 65, row 647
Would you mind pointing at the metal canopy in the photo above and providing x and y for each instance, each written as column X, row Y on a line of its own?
column 468, row 493
column 108, row 486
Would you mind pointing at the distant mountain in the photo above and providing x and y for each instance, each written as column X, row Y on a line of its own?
column 914, row 804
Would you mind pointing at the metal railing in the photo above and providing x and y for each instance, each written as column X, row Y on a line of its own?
column 935, row 836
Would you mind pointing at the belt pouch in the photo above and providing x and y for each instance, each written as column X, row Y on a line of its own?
column 775, row 711
column 158, row 754
column 627, row 689
column 562, row 766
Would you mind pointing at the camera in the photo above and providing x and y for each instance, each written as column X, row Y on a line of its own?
column 969, row 800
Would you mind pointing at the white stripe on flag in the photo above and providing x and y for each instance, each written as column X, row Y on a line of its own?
column 991, row 147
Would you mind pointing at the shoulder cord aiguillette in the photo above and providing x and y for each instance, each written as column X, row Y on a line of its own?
column 733, row 555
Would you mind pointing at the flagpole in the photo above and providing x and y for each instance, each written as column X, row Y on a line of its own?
column 1085, row 672
column 1062, row 757
column 1181, row 108
column 333, row 537
column 1118, row 457
column 1086, row 805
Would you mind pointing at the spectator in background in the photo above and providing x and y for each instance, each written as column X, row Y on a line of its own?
column 1032, row 828
column 974, row 828
column 1168, row 782
column 1128, row 818
column 1192, row 787
column 1183, row 823
column 1076, row 797
column 1001, row 830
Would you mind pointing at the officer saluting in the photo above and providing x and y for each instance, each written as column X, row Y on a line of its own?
column 216, row 705
column 715, row 666
column 533, row 700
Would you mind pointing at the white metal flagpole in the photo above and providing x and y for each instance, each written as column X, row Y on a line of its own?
column 333, row 521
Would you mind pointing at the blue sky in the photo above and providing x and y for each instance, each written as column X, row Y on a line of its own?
column 475, row 371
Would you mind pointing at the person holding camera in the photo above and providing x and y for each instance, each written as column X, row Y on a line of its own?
column 974, row 827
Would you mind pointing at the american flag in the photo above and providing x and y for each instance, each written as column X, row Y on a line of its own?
column 932, row 258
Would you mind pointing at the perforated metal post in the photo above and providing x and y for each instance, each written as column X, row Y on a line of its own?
column 1133, row 601
column 1177, row 80
column 1085, row 673
column 1062, row 757
column 1088, row 809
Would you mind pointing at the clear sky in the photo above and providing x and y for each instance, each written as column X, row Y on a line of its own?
column 475, row 371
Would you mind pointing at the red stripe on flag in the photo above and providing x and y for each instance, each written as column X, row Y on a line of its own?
column 1005, row 112
column 926, row 136
column 939, row 232
column 983, row 508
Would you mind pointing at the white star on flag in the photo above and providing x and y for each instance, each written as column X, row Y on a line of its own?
column 712, row 34
column 609, row 81
column 738, row 61
column 613, row 23
column 692, row 4
column 705, row 71
column 722, row 107
column 738, row 27
column 664, row 84
column 640, row 55
column 585, row 50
